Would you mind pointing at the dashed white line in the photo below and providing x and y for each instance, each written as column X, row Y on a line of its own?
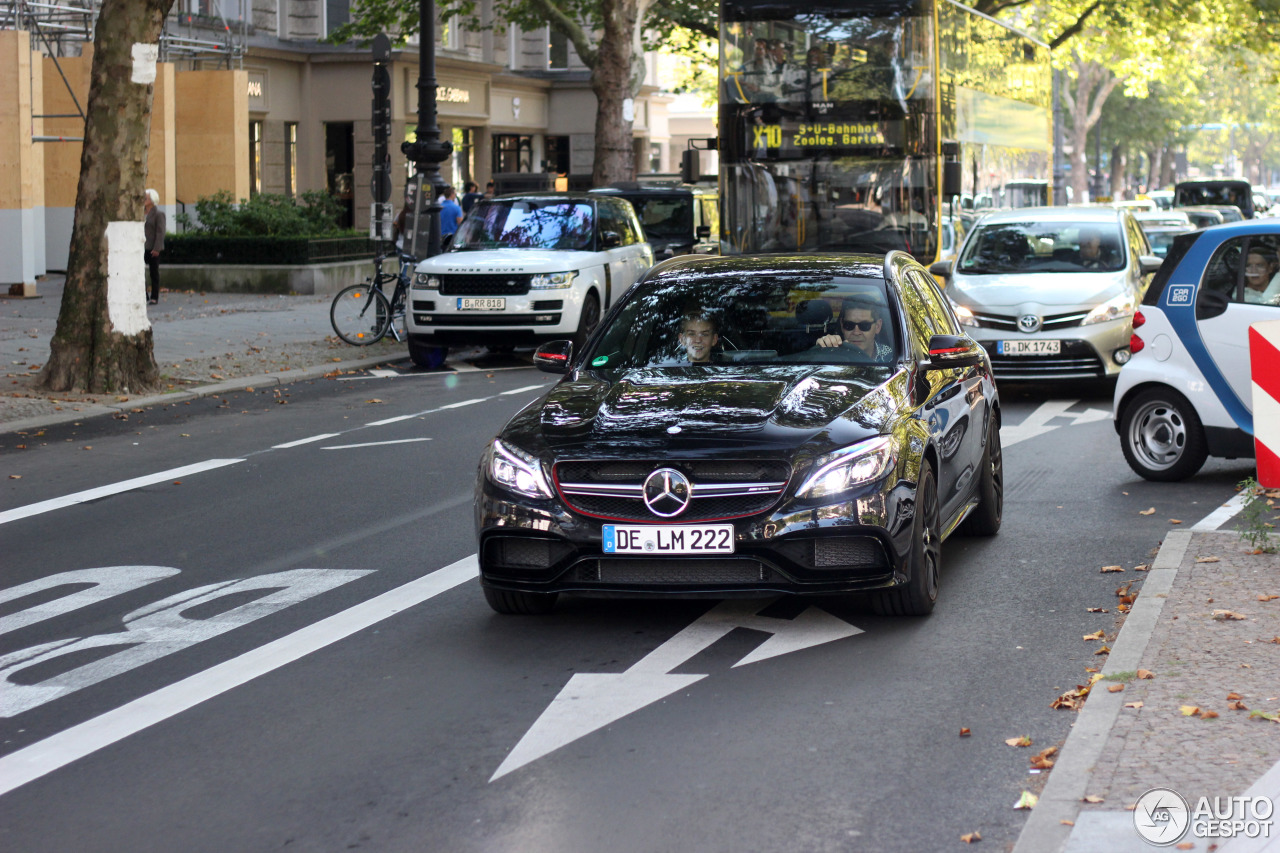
column 112, row 489
column 373, row 443
column 1221, row 515
column 462, row 403
column 48, row 755
column 301, row 441
column 391, row 420
column 522, row 390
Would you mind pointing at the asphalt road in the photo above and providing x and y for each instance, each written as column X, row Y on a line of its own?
column 287, row 648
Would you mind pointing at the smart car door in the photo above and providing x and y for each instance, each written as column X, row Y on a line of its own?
column 1226, row 334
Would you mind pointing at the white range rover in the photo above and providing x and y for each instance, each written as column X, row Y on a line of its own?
column 526, row 269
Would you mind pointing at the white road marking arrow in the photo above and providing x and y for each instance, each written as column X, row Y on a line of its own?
column 591, row 701
column 1036, row 423
column 1091, row 415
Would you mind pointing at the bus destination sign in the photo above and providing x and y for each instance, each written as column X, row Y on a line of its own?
column 803, row 138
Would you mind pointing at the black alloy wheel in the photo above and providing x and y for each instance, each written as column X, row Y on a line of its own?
column 986, row 516
column 587, row 321
column 920, row 593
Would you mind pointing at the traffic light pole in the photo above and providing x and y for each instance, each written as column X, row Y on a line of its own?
column 427, row 150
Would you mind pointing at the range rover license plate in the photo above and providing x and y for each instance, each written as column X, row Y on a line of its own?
column 467, row 303
column 1029, row 347
column 668, row 539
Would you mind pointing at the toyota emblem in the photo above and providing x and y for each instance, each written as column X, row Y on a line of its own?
column 1029, row 323
column 667, row 492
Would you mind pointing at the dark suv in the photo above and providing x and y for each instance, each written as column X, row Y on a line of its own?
column 677, row 219
column 1222, row 192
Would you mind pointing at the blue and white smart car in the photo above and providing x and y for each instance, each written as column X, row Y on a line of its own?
column 1186, row 394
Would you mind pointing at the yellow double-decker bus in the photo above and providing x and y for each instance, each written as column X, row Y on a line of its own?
column 836, row 119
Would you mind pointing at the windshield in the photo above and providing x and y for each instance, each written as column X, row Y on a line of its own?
column 712, row 319
column 1015, row 247
column 526, row 224
column 1161, row 241
column 664, row 217
column 1233, row 193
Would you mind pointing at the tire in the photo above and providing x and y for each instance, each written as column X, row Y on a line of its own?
column 426, row 355
column 1161, row 436
column 919, row 594
column 587, row 321
column 360, row 315
column 515, row 603
column 986, row 516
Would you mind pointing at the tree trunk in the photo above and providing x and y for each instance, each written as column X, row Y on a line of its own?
column 1119, row 172
column 611, row 82
column 103, row 339
column 1155, row 157
column 1094, row 84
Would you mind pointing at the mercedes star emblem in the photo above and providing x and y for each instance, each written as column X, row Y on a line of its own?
column 667, row 492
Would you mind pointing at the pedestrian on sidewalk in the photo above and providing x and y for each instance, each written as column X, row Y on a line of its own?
column 153, row 245
column 450, row 216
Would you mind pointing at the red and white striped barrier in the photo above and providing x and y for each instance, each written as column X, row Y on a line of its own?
column 1264, row 360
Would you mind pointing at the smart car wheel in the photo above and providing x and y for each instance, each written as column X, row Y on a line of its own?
column 985, row 518
column 1161, row 436
column 920, row 593
column 516, row 603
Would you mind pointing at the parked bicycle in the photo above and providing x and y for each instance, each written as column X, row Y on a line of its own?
column 362, row 314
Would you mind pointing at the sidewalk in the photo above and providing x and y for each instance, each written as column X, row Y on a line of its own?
column 1145, row 736
column 205, row 343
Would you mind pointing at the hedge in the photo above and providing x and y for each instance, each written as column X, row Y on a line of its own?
column 196, row 248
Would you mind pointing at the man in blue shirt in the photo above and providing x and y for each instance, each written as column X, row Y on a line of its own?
column 450, row 214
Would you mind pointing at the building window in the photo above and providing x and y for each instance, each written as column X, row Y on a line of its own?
column 255, row 157
column 291, row 157
column 557, row 155
column 557, row 50
column 464, row 157
column 655, row 157
column 336, row 13
column 512, row 153
column 339, row 161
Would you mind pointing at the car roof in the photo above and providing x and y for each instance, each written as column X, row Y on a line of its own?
column 835, row 264
column 644, row 189
column 1243, row 228
column 1054, row 214
column 546, row 196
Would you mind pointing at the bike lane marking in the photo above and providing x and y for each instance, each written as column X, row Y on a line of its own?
column 321, row 437
column 56, row 751
column 374, row 443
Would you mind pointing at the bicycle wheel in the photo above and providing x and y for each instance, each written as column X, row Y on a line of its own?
column 360, row 315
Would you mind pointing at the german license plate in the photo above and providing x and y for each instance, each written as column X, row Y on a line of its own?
column 1029, row 347
column 481, row 304
column 668, row 539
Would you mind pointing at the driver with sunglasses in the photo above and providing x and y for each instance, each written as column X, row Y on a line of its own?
column 858, row 328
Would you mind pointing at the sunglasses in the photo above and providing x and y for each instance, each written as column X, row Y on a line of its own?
column 850, row 325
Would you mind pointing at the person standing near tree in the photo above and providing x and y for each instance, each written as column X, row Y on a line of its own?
column 153, row 231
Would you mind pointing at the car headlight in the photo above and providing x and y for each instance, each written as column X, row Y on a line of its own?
column 1116, row 308
column 551, row 280
column 963, row 314
column 426, row 281
column 838, row 472
column 512, row 468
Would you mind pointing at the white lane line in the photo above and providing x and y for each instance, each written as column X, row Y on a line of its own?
column 522, row 390
column 52, row 753
column 396, row 419
column 383, row 373
column 300, row 441
column 461, row 403
column 373, row 443
column 1221, row 515
column 112, row 489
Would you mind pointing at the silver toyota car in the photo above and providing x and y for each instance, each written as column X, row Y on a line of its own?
column 1050, row 292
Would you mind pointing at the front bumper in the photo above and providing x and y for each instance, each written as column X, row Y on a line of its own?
column 1086, row 352
column 532, row 318
column 541, row 546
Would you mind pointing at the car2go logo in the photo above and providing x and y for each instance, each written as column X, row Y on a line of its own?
column 47, row 671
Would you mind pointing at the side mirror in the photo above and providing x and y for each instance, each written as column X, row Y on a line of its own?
column 952, row 178
column 703, row 232
column 610, row 239
column 1149, row 264
column 947, row 351
column 941, row 268
column 553, row 357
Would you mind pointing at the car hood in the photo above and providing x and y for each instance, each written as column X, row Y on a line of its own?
column 1061, row 289
column 497, row 261
column 692, row 409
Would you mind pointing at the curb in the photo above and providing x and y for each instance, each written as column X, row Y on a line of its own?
column 261, row 379
column 1044, row 831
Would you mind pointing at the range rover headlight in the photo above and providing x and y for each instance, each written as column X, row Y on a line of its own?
column 552, row 280
column 426, row 281
column 514, row 469
column 838, row 472
column 1117, row 308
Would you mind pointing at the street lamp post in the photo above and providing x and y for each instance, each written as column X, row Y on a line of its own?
column 427, row 150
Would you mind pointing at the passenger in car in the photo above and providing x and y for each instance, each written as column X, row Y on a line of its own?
column 859, row 325
column 1261, row 279
column 699, row 337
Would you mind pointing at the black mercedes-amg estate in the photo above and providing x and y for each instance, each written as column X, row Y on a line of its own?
column 748, row 426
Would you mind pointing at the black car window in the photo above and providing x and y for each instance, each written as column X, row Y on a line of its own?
column 1223, row 272
column 756, row 319
column 1261, row 280
column 665, row 216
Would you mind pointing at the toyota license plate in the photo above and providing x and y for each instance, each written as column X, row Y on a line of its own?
column 484, row 304
column 668, row 539
column 1029, row 347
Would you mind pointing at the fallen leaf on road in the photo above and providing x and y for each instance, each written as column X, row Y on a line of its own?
column 1143, row 568
column 1115, row 688
column 1123, row 608
column 1208, row 715
column 1228, row 616
column 1151, row 511
column 965, row 733
column 1106, row 569
column 250, row 389
column 122, row 399
column 374, row 400
column 1022, row 740
column 1265, row 597
column 1096, row 610
column 1237, row 706
column 1096, row 635
column 1028, row 800
column 215, row 376
column 1273, row 716
column 1208, row 560
column 15, row 476
column 1103, row 650
column 1064, row 821
column 1146, row 673
column 1092, row 798
column 1043, row 760
column 1234, row 695
column 1275, row 640
column 1175, row 521
column 1189, row 710
column 87, row 447
column 970, row 837
column 1134, row 705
